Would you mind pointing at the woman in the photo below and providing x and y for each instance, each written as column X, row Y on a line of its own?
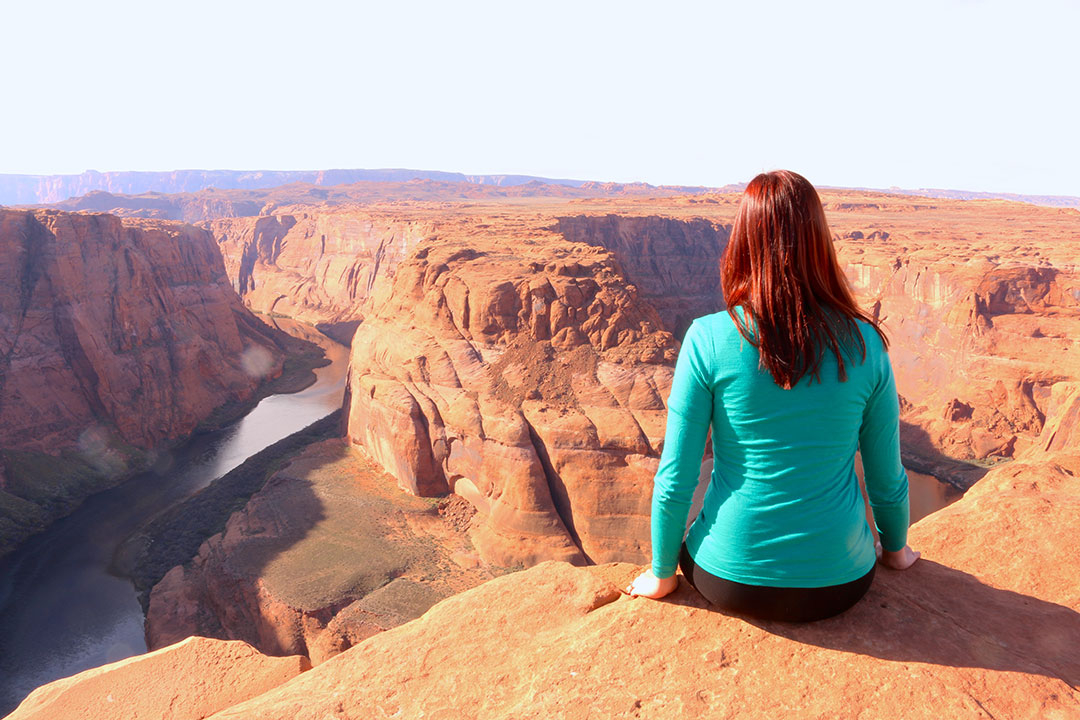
column 792, row 379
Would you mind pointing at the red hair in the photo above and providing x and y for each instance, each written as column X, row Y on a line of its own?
column 781, row 267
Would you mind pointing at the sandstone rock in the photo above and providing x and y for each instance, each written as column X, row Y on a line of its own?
column 129, row 324
column 974, row 293
column 974, row 629
column 488, row 368
column 318, row 267
column 1062, row 432
column 191, row 679
column 982, row 303
column 477, row 326
column 115, row 337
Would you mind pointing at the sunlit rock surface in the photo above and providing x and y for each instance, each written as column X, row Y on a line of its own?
column 186, row 681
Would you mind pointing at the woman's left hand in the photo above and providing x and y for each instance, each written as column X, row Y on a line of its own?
column 648, row 585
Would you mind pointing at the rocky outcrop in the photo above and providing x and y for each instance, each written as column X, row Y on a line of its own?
column 468, row 312
column 187, row 681
column 115, row 336
column 521, row 361
column 674, row 263
column 325, row 555
column 974, row 629
column 982, row 303
column 318, row 266
column 525, row 372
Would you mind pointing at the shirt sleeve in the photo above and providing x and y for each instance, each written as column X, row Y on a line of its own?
column 886, row 479
column 689, row 416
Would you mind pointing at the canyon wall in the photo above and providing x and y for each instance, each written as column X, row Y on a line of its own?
column 527, row 373
column 982, row 304
column 974, row 629
column 318, row 266
column 115, row 337
column 673, row 262
column 460, row 303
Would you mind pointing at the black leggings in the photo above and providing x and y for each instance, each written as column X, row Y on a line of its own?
column 790, row 604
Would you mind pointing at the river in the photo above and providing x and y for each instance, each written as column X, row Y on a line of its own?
column 61, row 611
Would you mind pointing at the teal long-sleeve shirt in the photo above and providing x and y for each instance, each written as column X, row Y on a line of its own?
column 783, row 506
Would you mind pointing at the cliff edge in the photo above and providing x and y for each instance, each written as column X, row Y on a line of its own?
column 987, row 624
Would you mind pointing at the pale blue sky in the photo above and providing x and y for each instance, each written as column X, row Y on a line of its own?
column 970, row 95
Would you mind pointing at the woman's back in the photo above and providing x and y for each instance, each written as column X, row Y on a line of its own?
column 783, row 507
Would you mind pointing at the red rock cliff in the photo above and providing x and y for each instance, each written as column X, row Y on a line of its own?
column 982, row 303
column 115, row 336
column 318, row 266
column 524, row 366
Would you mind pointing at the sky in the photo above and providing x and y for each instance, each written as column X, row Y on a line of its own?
column 959, row 94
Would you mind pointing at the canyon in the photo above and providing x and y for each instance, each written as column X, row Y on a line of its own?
column 510, row 362
column 117, row 338
column 519, row 353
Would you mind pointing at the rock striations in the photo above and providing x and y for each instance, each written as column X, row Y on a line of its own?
column 526, row 371
column 318, row 267
column 981, row 298
column 115, row 336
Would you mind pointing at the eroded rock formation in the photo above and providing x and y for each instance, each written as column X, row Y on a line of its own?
column 981, row 297
column 314, row 266
column 982, row 301
column 115, row 336
column 520, row 357
column 525, row 371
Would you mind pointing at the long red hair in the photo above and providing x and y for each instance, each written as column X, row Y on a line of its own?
column 781, row 267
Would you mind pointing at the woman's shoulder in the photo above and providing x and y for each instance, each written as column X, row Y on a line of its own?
column 874, row 345
column 714, row 329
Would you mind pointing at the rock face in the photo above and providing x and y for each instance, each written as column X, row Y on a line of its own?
column 327, row 554
column 526, row 371
column 520, row 357
column 314, row 266
column 974, row 629
column 478, row 308
column 673, row 262
column 186, row 681
column 115, row 336
column 982, row 302
column 519, row 353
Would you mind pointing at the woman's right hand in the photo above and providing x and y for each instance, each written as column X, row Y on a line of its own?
column 900, row 559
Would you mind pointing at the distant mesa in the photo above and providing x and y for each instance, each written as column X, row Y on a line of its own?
column 32, row 189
